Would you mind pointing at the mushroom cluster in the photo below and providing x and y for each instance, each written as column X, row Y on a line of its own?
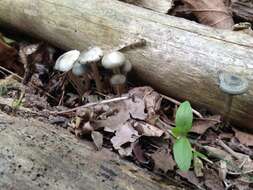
column 79, row 63
column 120, row 66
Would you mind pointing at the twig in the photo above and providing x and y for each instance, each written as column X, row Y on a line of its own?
column 178, row 103
column 228, row 149
column 208, row 119
column 91, row 105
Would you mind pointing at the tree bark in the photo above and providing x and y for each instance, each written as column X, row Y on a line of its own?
column 38, row 156
column 181, row 59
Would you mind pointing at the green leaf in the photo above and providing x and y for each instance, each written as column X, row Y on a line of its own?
column 182, row 151
column 184, row 119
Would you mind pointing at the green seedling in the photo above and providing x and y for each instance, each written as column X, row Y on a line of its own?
column 3, row 90
column 182, row 149
column 17, row 103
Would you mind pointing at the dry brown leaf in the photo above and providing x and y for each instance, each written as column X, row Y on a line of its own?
column 87, row 128
column 242, row 184
column 201, row 126
column 198, row 166
column 212, row 180
column 124, row 111
column 211, row 12
column 244, row 138
column 163, row 160
column 97, row 138
column 126, row 151
column 139, row 153
column 125, row 134
column 237, row 146
column 148, row 130
column 189, row 176
column 8, row 58
column 151, row 98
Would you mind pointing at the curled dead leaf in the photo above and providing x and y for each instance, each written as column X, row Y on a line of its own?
column 244, row 138
column 200, row 126
column 125, row 134
column 163, row 160
column 148, row 130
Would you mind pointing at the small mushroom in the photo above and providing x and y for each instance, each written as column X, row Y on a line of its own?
column 114, row 61
column 118, row 82
column 92, row 57
column 66, row 61
column 79, row 69
column 231, row 85
column 126, row 68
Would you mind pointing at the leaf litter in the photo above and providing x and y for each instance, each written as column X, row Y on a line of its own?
column 136, row 125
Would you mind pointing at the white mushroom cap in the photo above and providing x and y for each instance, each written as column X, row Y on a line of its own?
column 66, row 61
column 113, row 60
column 127, row 67
column 79, row 69
column 92, row 55
column 118, row 79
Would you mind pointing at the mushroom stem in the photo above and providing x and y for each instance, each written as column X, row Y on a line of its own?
column 96, row 76
column 116, row 70
column 118, row 83
column 228, row 104
column 120, row 89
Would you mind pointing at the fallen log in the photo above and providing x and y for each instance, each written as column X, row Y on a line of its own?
column 37, row 156
column 181, row 59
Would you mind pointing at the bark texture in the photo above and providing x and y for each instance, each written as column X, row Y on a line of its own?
column 37, row 156
column 182, row 58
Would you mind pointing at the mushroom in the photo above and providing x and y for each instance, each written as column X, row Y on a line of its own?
column 79, row 69
column 92, row 57
column 114, row 61
column 118, row 83
column 66, row 61
column 126, row 68
column 231, row 85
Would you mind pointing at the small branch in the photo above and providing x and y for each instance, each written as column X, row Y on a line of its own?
column 228, row 149
column 178, row 103
column 90, row 105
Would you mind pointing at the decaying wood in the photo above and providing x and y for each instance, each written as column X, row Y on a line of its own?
column 181, row 59
column 162, row 6
column 38, row 156
column 243, row 9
